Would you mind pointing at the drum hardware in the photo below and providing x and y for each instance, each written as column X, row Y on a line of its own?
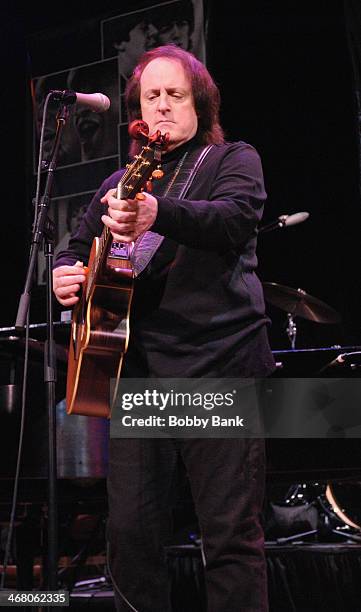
column 298, row 303
column 9, row 398
column 38, row 330
column 81, row 442
column 303, row 500
column 344, row 499
column 291, row 330
column 350, row 360
column 12, row 351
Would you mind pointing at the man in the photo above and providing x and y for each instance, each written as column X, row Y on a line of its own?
column 175, row 24
column 129, row 36
column 198, row 311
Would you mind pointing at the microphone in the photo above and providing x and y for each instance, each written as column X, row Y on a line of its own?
column 285, row 221
column 97, row 102
column 288, row 220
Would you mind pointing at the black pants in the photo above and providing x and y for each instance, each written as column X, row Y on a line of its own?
column 227, row 483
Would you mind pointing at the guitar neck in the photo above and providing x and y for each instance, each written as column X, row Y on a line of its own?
column 133, row 180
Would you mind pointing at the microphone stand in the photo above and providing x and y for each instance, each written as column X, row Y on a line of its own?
column 43, row 230
column 279, row 223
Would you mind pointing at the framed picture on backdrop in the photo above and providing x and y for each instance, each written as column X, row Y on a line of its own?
column 93, row 145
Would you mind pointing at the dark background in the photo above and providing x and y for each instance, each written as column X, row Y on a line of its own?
column 288, row 87
column 285, row 71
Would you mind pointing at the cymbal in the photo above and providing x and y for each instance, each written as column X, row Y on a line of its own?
column 299, row 304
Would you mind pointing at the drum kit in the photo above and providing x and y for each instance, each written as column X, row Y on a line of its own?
column 81, row 441
column 328, row 512
column 298, row 303
column 295, row 302
column 338, row 504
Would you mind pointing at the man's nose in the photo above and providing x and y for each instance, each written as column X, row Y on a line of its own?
column 163, row 103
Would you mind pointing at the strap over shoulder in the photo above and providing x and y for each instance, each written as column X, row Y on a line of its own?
column 149, row 243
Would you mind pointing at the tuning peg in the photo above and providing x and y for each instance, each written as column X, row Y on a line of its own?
column 157, row 173
column 149, row 186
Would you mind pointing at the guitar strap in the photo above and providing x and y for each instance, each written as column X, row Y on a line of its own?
column 149, row 243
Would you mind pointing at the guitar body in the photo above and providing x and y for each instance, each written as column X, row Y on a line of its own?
column 99, row 339
column 100, row 323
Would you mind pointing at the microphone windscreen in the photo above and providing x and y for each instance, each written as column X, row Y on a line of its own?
column 296, row 218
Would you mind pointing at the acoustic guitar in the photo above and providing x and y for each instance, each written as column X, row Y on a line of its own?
column 100, row 320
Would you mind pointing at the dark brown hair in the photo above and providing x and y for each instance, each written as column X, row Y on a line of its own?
column 205, row 93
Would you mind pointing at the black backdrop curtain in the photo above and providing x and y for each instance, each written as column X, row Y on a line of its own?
column 353, row 28
column 288, row 88
column 287, row 80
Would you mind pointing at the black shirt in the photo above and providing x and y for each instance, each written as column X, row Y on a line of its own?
column 198, row 307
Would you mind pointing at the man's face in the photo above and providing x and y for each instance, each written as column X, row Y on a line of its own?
column 176, row 32
column 166, row 101
column 142, row 38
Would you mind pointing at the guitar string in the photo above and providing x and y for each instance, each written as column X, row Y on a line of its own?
column 106, row 231
column 167, row 189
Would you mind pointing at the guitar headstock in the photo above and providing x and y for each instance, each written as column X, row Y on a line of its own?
column 146, row 165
